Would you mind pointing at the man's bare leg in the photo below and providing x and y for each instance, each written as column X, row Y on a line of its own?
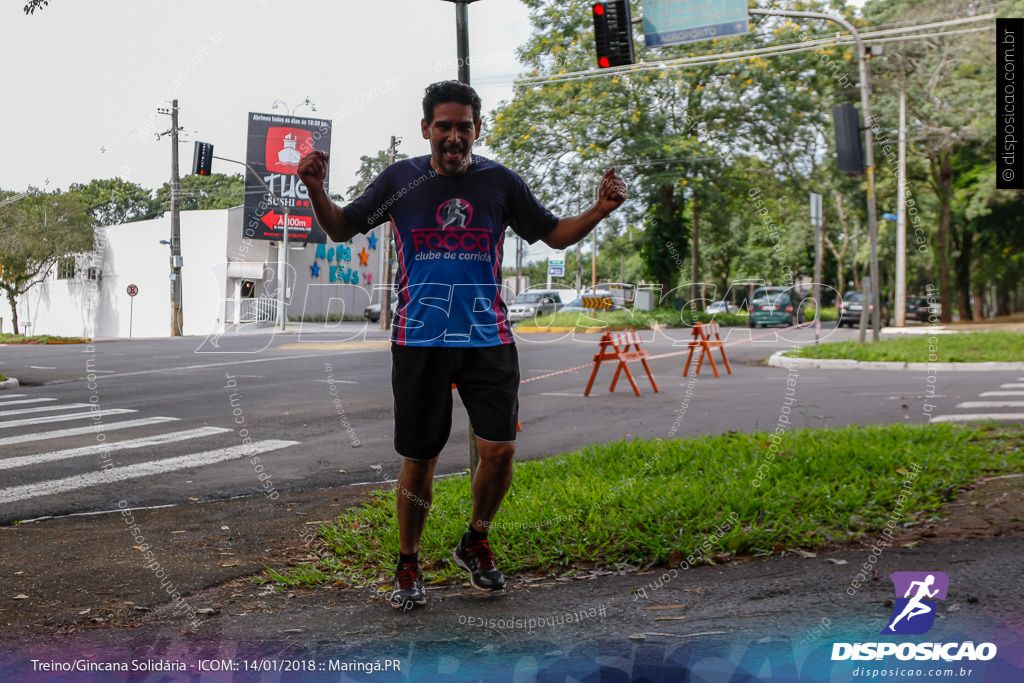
column 415, row 493
column 493, row 478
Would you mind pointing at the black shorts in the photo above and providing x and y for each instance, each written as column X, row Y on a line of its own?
column 487, row 378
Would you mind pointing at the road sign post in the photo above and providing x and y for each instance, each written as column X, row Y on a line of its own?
column 133, row 290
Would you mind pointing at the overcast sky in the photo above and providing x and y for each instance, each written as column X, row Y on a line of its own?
column 84, row 76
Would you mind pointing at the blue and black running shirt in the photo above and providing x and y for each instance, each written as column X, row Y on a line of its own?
column 449, row 232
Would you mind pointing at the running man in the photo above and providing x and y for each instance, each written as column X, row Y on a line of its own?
column 915, row 607
column 449, row 210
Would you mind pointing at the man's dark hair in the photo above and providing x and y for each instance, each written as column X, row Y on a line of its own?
column 449, row 91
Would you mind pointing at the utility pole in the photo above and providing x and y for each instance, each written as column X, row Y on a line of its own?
column 385, row 297
column 901, row 219
column 176, row 307
column 817, row 221
column 695, row 255
column 462, row 47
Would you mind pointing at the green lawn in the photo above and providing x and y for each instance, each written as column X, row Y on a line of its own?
column 38, row 339
column 637, row 319
column 642, row 503
column 970, row 347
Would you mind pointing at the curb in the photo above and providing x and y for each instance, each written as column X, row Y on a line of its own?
column 9, row 383
column 780, row 360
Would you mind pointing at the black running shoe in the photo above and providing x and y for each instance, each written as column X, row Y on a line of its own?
column 408, row 589
column 476, row 558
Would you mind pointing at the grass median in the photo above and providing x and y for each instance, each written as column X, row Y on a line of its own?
column 633, row 504
column 969, row 347
column 630, row 318
column 40, row 339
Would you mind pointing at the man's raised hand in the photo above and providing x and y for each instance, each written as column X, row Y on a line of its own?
column 612, row 192
column 313, row 170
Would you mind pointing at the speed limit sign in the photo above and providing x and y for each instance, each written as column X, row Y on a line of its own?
column 133, row 290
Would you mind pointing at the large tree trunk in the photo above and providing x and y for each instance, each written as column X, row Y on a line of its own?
column 942, row 175
column 14, row 307
column 963, row 274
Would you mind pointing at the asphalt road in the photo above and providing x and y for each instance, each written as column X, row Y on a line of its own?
column 176, row 413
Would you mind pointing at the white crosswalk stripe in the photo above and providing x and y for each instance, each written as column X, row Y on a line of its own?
column 64, row 418
column 159, row 439
column 979, row 417
column 42, row 409
column 4, row 404
column 144, row 469
column 1005, row 398
column 75, row 471
column 79, row 431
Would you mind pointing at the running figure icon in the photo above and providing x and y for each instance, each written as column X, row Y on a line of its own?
column 915, row 607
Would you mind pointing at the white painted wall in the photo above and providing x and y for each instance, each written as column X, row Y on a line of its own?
column 131, row 253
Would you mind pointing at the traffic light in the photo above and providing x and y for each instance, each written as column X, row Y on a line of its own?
column 202, row 158
column 613, row 33
column 848, row 150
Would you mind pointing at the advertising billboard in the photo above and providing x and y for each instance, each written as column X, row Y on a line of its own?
column 275, row 145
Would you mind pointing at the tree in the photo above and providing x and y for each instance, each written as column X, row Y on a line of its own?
column 205, row 192
column 370, row 168
column 679, row 135
column 116, row 201
column 32, row 5
column 35, row 233
column 950, row 84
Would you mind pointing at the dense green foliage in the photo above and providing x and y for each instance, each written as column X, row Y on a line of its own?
column 729, row 149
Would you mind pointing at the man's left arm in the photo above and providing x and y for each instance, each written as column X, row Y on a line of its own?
column 570, row 230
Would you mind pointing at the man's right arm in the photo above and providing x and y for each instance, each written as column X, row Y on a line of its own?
column 313, row 171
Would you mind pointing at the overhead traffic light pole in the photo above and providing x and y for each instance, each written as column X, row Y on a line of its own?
column 613, row 33
column 869, row 150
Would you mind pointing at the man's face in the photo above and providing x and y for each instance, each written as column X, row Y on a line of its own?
column 451, row 135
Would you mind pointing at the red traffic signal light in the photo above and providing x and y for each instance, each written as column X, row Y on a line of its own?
column 202, row 158
column 613, row 33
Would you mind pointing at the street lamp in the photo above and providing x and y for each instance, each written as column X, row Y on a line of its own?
column 308, row 102
column 462, row 37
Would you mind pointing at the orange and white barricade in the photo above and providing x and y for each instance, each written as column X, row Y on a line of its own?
column 623, row 348
column 702, row 339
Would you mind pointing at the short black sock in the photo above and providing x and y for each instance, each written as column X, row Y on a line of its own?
column 473, row 535
column 408, row 559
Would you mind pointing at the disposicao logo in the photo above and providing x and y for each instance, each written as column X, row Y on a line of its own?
column 914, row 614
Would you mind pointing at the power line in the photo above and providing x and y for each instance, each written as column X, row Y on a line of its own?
column 784, row 48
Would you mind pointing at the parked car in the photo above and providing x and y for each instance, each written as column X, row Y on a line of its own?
column 533, row 302
column 851, row 305
column 372, row 312
column 721, row 307
column 918, row 308
column 775, row 308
